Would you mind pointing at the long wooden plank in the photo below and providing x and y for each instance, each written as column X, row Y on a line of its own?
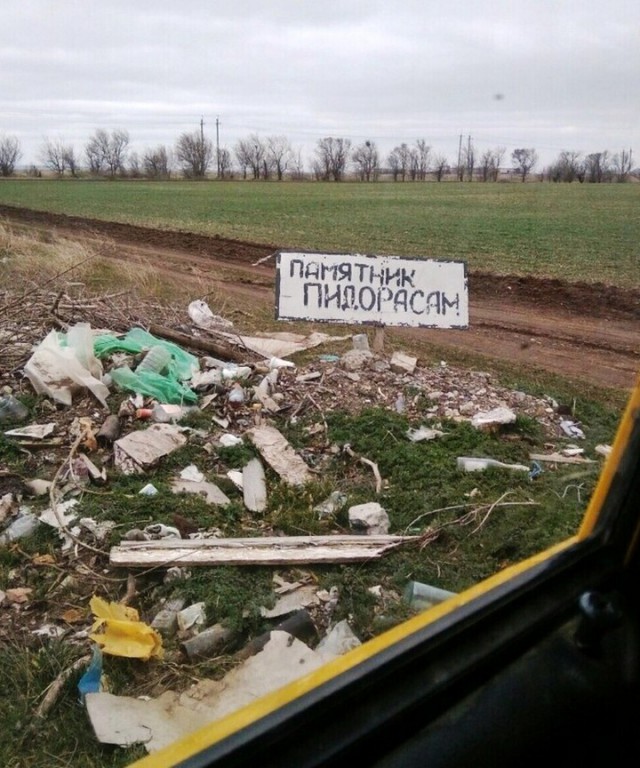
column 272, row 550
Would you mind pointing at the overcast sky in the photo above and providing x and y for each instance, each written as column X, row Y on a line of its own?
column 548, row 74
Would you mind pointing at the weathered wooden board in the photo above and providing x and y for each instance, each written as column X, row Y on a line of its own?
column 272, row 550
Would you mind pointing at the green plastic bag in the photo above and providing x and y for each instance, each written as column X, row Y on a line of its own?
column 182, row 366
column 164, row 389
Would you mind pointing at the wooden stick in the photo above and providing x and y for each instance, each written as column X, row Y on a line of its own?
column 53, row 691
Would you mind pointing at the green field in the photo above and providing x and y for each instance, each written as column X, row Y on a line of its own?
column 585, row 232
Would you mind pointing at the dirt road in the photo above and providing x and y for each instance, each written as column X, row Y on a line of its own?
column 586, row 332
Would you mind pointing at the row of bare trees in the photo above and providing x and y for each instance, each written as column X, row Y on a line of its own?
column 195, row 157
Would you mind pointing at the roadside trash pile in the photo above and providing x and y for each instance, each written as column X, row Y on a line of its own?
column 121, row 405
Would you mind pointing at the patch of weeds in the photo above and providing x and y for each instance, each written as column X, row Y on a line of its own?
column 237, row 456
column 232, row 595
column 25, row 674
column 291, row 508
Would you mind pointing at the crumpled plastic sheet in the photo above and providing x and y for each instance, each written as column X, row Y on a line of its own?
column 121, row 633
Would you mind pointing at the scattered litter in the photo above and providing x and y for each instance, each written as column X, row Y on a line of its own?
column 286, row 344
column 423, row 433
column 360, row 341
column 331, row 505
column 203, row 317
column 278, row 362
column 209, row 491
column 341, row 639
column 279, row 455
column 401, row 363
column 166, row 620
column 49, row 630
column 61, row 365
column 161, row 531
column 476, row 464
column 192, row 616
column 22, row 526
column 137, row 451
column 572, row 450
column 58, row 517
column 100, row 530
column 192, row 474
column 148, row 490
column 121, row 633
column 302, row 597
column 7, row 503
column 159, row 722
column 603, row 450
column 235, row 475
column 270, row 550
column 229, row 441
column 329, row 358
column 370, row 518
column 421, row 596
column 497, row 417
column 560, row 458
column 571, row 429
column 176, row 573
column 209, row 642
column 355, row 359
column 11, row 409
column 305, row 378
column 38, row 487
column 254, row 486
column 32, row 432
column 18, row 595
column 91, row 681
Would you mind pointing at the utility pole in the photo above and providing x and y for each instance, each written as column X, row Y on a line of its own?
column 202, row 130
column 459, row 157
column 218, row 146
column 469, row 160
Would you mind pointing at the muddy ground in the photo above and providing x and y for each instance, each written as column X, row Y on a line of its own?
column 582, row 331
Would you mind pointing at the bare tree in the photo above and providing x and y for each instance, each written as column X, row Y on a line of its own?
column 10, row 153
column 70, row 160
column 107, row 153
column 155, row 163
column 53, row 156
column 194, row 152
column 598, row 167
column 622, row 164
column 117, row 152
column 490, row 164
column 365, row 158
column 333, row 154
column 421, row 153
column 440, row 166
column 243, row 156
column 279, row 154
column 224, row 162
column 251, row 153
column 524, row 161
column 399, row 161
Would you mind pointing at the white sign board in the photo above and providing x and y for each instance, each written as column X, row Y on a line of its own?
column 381, row 290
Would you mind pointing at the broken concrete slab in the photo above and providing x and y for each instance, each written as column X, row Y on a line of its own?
column 254, row 486
column 302, row 597
column 401, row 363
column 271, row 550
column 209, row 491
column 279, row 455
column 340, row 640
column 370, row 518
column 356, row 359
column 140, row 450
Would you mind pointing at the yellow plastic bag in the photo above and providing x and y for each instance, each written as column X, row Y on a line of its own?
column 122, row 633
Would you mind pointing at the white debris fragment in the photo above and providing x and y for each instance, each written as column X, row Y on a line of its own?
column 192, row 474
column 423, row 433
column 571, row 429
column 32, row 431
column 142, row 449
column 254, row 486
column 280, row 455
column 371, row 518
column 497, row 417
column 401, row 363
column 476, row 464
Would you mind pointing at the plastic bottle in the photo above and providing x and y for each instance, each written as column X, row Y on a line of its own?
column 11, row 409
column 157, row 360
column 20, row 527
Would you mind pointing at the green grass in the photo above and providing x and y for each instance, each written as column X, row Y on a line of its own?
column 571, row 231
